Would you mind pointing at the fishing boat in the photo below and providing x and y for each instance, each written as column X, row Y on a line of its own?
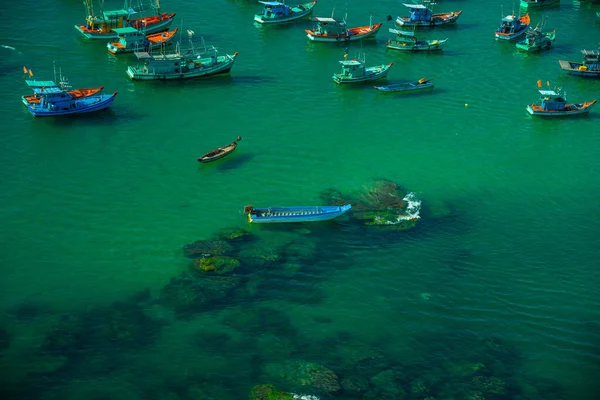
column 102, row 25
column 75, row 93
column 512, row 27
column 219, row 152
column 273, row 215
column 275, row 12
column 406, row 86
column 553, row 103
column 527, row 4
column 354, row 71
column 536, row 40
column 336, row 30
column 56, row 100
column 132, row 39
column 589, row 67
column 407, row 41
column 178, row 64
column 422, row 16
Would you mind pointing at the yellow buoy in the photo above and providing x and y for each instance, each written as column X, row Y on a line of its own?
column 466, row 105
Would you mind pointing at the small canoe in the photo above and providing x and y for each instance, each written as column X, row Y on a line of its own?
column 272, row 215
column 76, row 94
column 406, row 86
column 219, row 152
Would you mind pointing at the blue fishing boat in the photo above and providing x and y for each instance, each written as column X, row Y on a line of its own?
column 553, row 103
column 589, row 67
column 512, row 27
column 422, row 16
column 272, row 215
column 276, row 12
column 55, row 100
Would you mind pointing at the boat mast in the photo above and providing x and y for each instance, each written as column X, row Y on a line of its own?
column 89, row 8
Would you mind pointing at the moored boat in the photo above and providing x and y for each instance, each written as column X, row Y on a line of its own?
column 407, row 41
column 102, row 26
column 56, row 100
column 179, row 64
column 132, row 39
column 512, row 27
column 275, row 12
column 219, row 152
column 421, row 16
column 527, row 4
column 553, row 103
column 272, row 215
column 406, row 86
column 354, row 71
column 336, row 30
column 536, row 39
column 75, row 93
column 589, row 67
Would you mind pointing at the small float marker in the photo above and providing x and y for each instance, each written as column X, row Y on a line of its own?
column 466, row 104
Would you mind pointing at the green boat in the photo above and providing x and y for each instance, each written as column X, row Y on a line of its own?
column 529, row 4
column 536, row 40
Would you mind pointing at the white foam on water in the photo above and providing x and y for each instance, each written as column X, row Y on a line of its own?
column 304, row 397
column 7, row 47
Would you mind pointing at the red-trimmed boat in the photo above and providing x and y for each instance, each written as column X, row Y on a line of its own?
column 336, row 30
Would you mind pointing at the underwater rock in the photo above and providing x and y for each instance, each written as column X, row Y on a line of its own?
column 387, row 385
column 259, row 256
column 216, row 264
column 191, row 291
column 269, row 392
column 489, row 385
column 299, row 252
column 235, row 234
column 355, row 384
column 306, row 374
column 207, row 248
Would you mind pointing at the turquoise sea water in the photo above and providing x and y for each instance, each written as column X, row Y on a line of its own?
column 493, row 295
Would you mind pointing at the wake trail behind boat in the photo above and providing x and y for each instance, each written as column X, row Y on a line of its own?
column 7, row 47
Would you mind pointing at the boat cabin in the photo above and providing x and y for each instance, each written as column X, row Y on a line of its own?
column 404, row 36
column 275, row 9
column 591, row 59
column 54, row 98
column 552, row 101
column 419, row 13
column 510, row 24
column 129, row 37
column 330, row 26
column 109, row 21
column 175, row 62
column 352, row 68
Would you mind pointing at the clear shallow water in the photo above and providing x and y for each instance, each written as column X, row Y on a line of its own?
column 97, row 209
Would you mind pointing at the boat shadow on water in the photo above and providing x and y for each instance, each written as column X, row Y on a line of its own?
column 233, row 162
column 106, row 117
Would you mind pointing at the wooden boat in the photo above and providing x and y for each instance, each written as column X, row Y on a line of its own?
column 407, row 41
column 554, row 104
column 273, row 215
column 132, row 39
column 421, row 16
column 354, row 71
column 589, row 67
column 276, row 12
column 56, row 101
column 536, row 40
column 336, row 30
column 527, row 4
column 219, row 152
column 179, row 64
column 512, row 27
column 102, row 26
column 406, row 86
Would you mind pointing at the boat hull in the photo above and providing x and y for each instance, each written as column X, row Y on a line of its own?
column 371, row 74
column 578, row 69
column 155, row 41
column 296, row 214
column 576, row 109
column 206, row 158
column 223, row 66
column 294, row 16
column 404, row 87
column 429, row 45
column 153, row 28
column 363, row 32
column 436, row 20
column 84, row 105
column 512, row 36
column 536, row 5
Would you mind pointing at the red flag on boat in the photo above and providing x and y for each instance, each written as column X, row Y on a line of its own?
column 539, row 83
column 30, row 73
column 24, row 70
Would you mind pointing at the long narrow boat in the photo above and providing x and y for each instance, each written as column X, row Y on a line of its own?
column 527, row 4
column 275, row 12
column 406, row 41
column 554, row 104
column 219, row 152
column 132, row 39
column 336, row 30
column 406, row 86
column 589, row 67
column 273, row 215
